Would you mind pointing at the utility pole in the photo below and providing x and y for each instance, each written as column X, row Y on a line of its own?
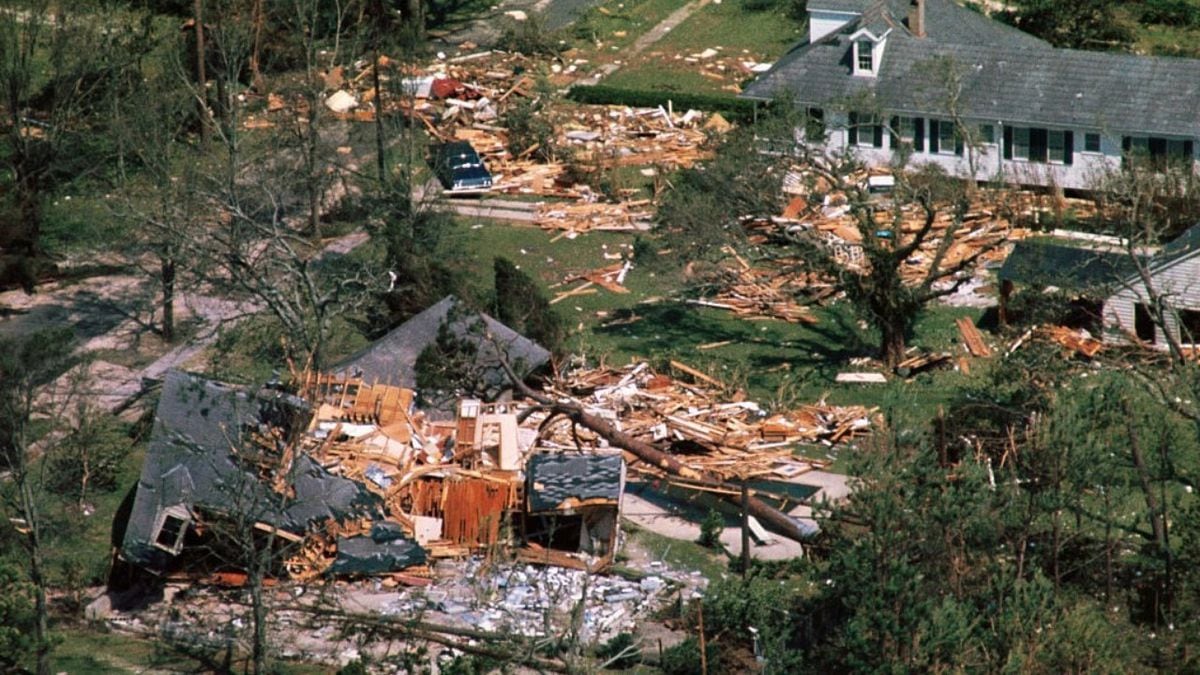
column 745, row 529
column 201, row 79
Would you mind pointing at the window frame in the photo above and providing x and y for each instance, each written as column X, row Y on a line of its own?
column 1088, row 136
column 1054, row 154
column 1017, row 144
column 177, row 513
column 947, row 144
column 869, row 56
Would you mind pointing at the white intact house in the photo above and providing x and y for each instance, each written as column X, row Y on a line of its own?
column 961, row 90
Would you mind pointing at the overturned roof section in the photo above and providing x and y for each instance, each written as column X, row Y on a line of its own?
column 1003, row 74
column 190, row 465
column 561, row 481
column 1073, row 268
column 392, row 359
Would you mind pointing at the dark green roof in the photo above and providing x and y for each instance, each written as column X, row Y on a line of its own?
column 1041, row 264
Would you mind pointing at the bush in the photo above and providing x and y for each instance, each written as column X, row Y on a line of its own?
column 736, row 109
column 520, row 305
column 89, row 457
column 530, row 37
column 710, row 529
column 620, row 643
column 16, row 618
column 528, row 128
column 1170, row 12
column 684, row 658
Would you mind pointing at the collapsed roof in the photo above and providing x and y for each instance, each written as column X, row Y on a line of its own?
column 198, row 458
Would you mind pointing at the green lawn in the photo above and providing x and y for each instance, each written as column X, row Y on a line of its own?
column 613, row 25
column 776, row 362
column 738, row 33
column 85, row 650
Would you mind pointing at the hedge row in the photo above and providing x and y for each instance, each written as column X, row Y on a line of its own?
column 735, row 109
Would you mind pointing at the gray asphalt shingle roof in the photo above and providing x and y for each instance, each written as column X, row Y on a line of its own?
column 392, row 359
column 1006, row 75
column 189, row 464
column 555, row 477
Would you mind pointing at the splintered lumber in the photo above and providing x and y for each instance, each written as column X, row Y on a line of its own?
column 861, row 378
column 1083, row 345
column 972, row 338
column 777, row 520
column 921, row 362
column 684, row 368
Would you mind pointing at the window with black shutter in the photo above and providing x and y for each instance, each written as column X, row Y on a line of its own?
column 934, row 128
column 919, row 134
column 1008, row 142
column 1038, row 145
column 852, row 132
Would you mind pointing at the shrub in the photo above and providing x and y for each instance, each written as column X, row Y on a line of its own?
column 89, row 457
column 530, row 37
column 16, row 618
column 684, row 658
column 710, row 529
column 528, row 128
column 614, row 647
column 520, row 305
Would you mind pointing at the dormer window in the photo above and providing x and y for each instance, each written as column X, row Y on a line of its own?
column 867, row 51
column 866, row 58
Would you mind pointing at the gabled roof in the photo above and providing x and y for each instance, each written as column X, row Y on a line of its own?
column 1184, row 246
column 189, row 464
column 1006, row 75
column 392, row 359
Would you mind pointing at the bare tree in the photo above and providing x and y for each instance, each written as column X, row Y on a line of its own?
column 26, row 367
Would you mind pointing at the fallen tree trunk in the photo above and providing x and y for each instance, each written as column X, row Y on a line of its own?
column 771, row 517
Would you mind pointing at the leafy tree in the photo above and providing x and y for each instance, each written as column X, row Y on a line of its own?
column 520, row 304
column 1079, row 24
column 89, row 457
column 26, row 366
column 17, row 619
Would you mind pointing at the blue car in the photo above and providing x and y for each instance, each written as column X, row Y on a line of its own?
column 460, row 169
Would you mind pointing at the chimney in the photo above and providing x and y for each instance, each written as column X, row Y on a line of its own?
column 916, row 18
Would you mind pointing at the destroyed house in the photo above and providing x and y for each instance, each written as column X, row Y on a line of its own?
column 573, row 501
column 204, row 459
column 1109, row 279
column 946, row 85
column 392, row 359
column 350, row 478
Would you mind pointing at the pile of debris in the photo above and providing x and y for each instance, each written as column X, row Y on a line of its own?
column 632, row 216
column 731, row 440
column 517, row 599
column 469, row 98
column 762, row 293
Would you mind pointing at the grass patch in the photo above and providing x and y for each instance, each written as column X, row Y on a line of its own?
column 777, row 363
column 610, row 27
column 736, row 28
column 85, row 650
column 736, row 31
column 677, row 553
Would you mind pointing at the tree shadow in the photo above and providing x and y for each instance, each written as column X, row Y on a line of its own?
column 675, row 327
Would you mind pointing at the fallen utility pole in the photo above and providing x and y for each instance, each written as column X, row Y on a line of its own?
column 768, row 515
